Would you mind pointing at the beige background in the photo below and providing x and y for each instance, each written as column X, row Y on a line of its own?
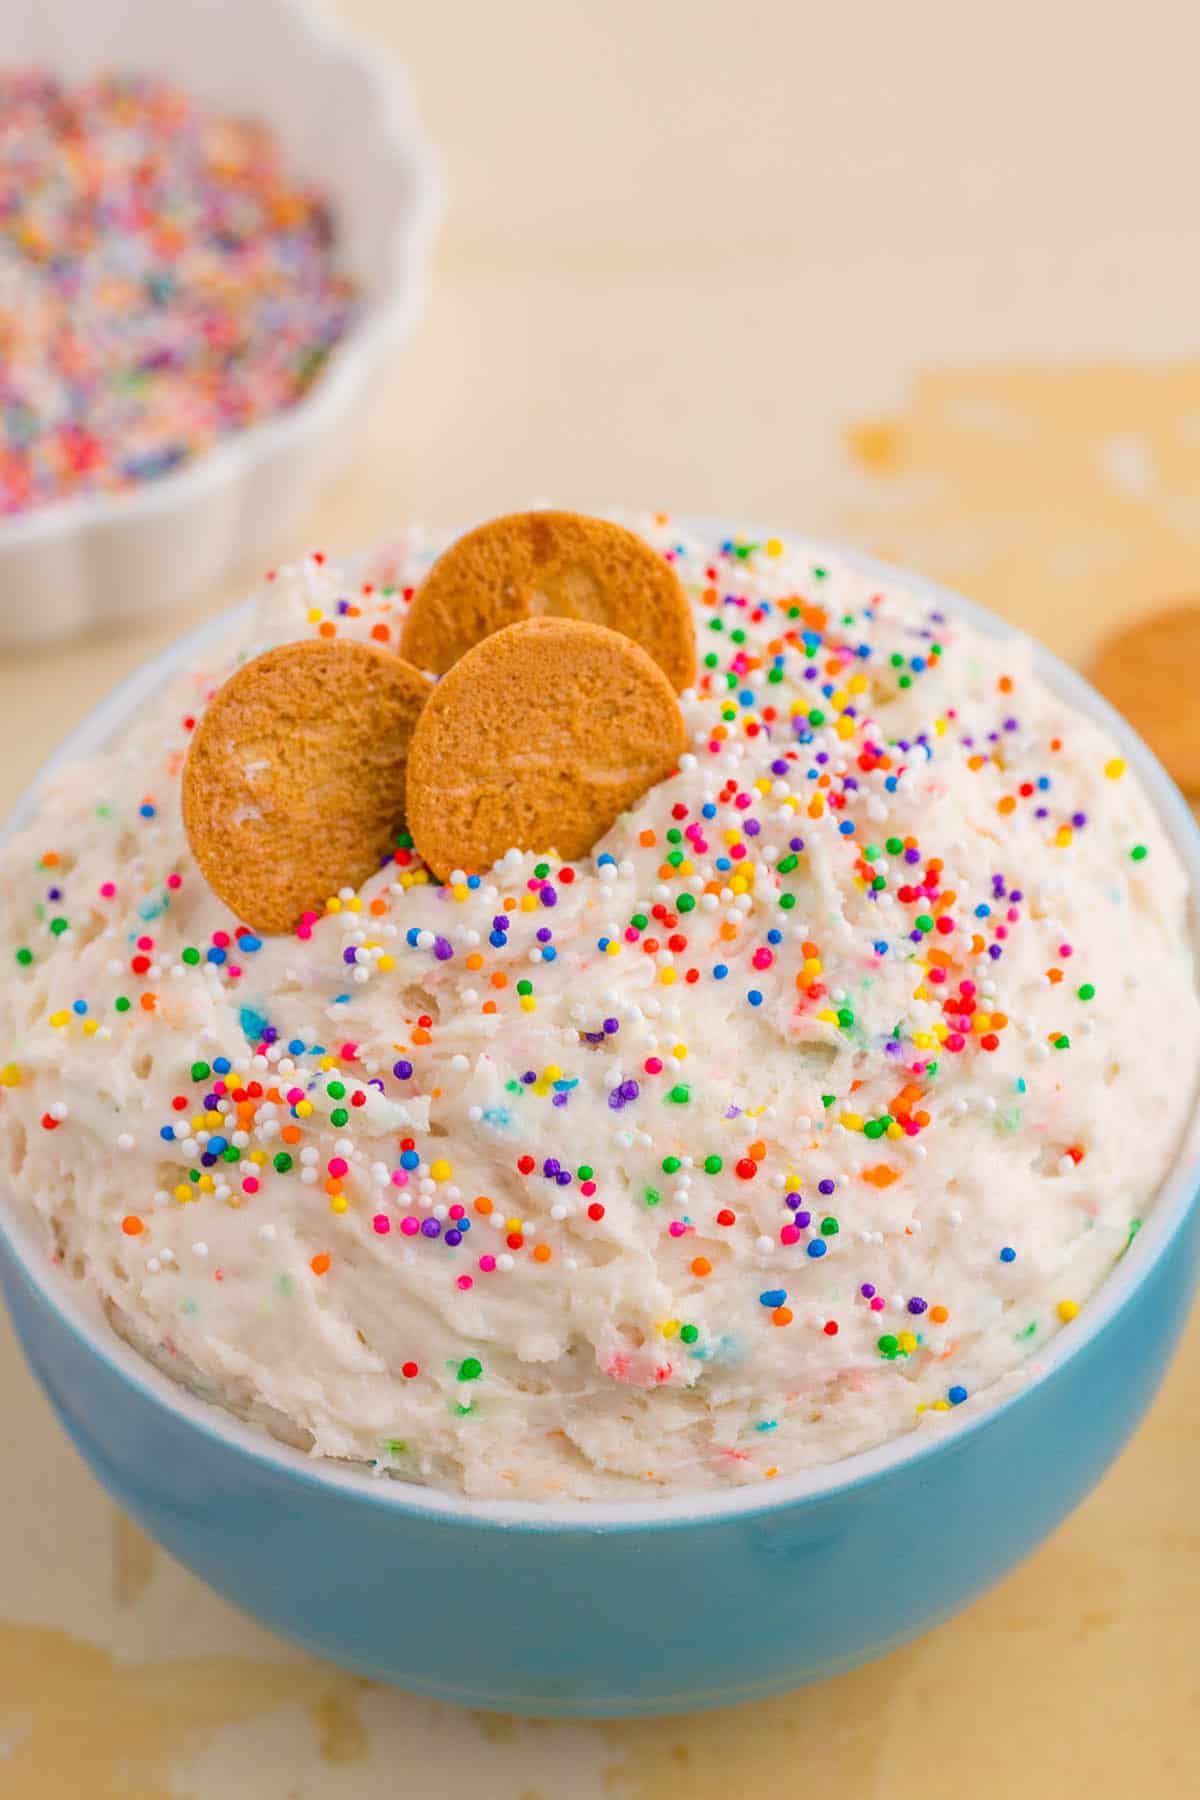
column 926, row 276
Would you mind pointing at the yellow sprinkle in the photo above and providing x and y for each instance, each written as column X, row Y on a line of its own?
column 894, row 1130
column 679, row 1051
column 827, row 1016
column 386, row 964
column 852, row 1121
column 763, row 785
column 907, row 1341
column 669, row 1327
column 206, row 1183
column 1063, row 836
column 922, row 1040
column 198, row 1121
column 528, row 1003
column 354, row 904
column 183, row 1193
column 304, row 1109
column 528, row 902
column 259, row 1156
column 214, row 1120
column 552, row 1072
column 460, row 890
column 941, row 1406
column 90, row 1027
column 844, row 727
column 857, row 684
column 10, row 1075
column 732, row 835
column 1067, row 1310
column 333, row 904
column 338, row 1203
column 774, row 547
column 614, row 948
column 1115, row 768
column 839, row 698
column 812, row 965
column 739, row 884
column 541, row 1087
column 59, row 1019
column 939, row 728
column 315, row 615
column 331, row 1062
column 441, row 1170
column 513, row 1225
column 667, row 977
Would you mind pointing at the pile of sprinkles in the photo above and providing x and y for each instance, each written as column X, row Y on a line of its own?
column 164, row 282
column 724, row 1045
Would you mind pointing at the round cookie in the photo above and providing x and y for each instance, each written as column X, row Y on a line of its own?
column 295, row 779
column 538, row 738
column 551, row 565
column 1151, row 673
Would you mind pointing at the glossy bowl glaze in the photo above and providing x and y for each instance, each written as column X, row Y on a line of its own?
column 593, row 1610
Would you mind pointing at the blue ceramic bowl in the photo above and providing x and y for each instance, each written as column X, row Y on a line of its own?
column 643, row 1607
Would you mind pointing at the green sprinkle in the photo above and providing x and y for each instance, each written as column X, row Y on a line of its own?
column 787, row 901
column 524, row 987
column 828, row 1100
column 689, row 1333
column 1139, row 853
column 845, row 1017
column 58, row 926
column 670, row 1164
column 923, row 922
column 639, row 921
column 585, row 1171
column 652, row 1196
column 470, row 1369
column 680, row 1095
column 816, row 716
column 829, row 1227
column 1087, row 991
column 894, row 846
column 339, row 1116
column 686, row 903
column 787, row 863
column 200, row 1070
column 24, row 956
column 335, row 1089
column 541, row 870
column 282, row 1162
column 887, row 1345
column 712, row 1165
column 121, row 1003
column 191, row 956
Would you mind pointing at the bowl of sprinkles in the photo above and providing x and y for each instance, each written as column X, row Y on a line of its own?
column 195, row 289
column 600, row 1119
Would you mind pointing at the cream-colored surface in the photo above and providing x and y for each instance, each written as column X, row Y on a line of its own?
column 705, row 256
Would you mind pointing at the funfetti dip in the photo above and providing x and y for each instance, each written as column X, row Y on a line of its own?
column 804, row 1110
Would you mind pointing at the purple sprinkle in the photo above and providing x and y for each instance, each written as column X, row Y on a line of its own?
column 751, row 827
column 779, row 767
column 551, row 1166
column 529, row 1077
column 558, row 1099
column 430, row 1228
column 867, row 1290
column 549, row 896
column 803, row 1219
column 917, row 1305
column 912, row 856
column 794, row 1200
column 452, row 1238
column 500, row 922
column 563, row 1178
column 350, row 955
column 544, row 935
column 1078, row 819
column 827, row 1186
column 611, row 1025
column 402, row 1070
column 795, row 843
column 443, row 949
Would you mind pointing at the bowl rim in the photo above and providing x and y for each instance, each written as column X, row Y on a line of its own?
column 937, row 1434
column 380, row 322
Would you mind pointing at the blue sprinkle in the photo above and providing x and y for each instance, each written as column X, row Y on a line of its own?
column 956, row 1395
column 817, row 1247
column 216, row 1144
column 720, row 971
column 1008, row 1254
column 774, row 937
column 549, row 954
column 880, row 947
column 146, row 810
column 847, row 827
column 167, row 1133
column 409, row 1159
column 215, row 954
column 754, row 997
column 497, row 940
column 79, row 1006
column 222, row 1065
column 773, row 1297
column 253, row 1024
column 248, row 944
column 296, row 1046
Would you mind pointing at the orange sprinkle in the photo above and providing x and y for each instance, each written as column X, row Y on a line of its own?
column 149, row 1002
column 327, row 629
column 728, row 931
column 474, row 961
column 782, row 1315
column 1007, row 805
column 881, row 1176
column 489, row 1006
column 380, row 633
column 701, row 1266
column 1054, row 976
column 379, row 907
column 320, row 1263
column 291, row 1134
column 647, row 839
column 1005, row 684
column 542, row 1253
column 499, row 979
column 757, row 1150
column 483, row 1205
column 132, row 1226
column 938, row 1314
column 420, row 1035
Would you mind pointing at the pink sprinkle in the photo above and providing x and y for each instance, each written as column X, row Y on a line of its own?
column 410, row 1226
column 465, row 1282
column 337, row 1165
column 174, row 881
column 955, row 1041
column 762, row 958
column 587, row 1187
column 631, row 934
column 221, row 940
column 677, row 1228
column 789, row 1234
column 233, row 971
column 382, row 1224
column 350, row 1051
column 304, row 931
column 108, row 889
column 487, row 1264
column 1065, row 950
column 399, row 1177
column 457, row 1212
column 250, row 1184
column 878, row 1303
column 653, row 1065
column 145, row 943
column 935, row 975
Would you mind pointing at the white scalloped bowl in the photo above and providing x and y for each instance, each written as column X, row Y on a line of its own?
column 347, row 121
